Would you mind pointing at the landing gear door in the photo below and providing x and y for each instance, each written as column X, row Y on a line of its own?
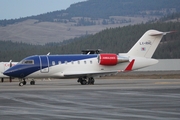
column 44, row 64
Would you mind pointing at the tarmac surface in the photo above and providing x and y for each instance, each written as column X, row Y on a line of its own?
column 108, row 99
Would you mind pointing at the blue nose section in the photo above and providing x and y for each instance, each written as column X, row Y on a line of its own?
column 21, row 71
column 8, row 73
column 12, row 73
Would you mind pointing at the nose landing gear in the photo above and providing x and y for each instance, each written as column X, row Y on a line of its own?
column 23, row 82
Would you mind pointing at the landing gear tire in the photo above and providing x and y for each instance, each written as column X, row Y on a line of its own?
column 21, row 84
column 91, row 81
column 32, row 82
column 83, row 82
column 24, row 82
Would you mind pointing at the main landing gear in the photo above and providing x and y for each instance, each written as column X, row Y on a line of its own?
column 2, row 79
column 85, row 81
column 23, row 82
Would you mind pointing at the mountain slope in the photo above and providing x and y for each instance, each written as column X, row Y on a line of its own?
column 84, row 18
column 113, row 40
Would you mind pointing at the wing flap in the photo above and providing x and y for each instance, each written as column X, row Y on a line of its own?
column 90, row 74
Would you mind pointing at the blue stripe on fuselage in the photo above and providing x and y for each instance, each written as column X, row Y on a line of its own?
column 68, row 58
column 23, row 70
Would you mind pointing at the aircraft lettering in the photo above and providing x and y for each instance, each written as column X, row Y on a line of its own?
column 109, row 58
column 145, row 43
column 8, row 65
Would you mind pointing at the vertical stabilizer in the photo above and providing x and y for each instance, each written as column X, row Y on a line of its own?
column 147, row 44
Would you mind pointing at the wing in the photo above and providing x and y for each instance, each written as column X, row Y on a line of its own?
column 77, row 74
column 90, row 74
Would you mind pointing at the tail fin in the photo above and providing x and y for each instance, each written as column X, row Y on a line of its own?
column 147, row 44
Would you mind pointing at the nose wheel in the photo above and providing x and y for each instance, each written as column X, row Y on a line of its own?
column 23, row 82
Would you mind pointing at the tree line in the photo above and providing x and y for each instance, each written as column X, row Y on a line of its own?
column 112, row 40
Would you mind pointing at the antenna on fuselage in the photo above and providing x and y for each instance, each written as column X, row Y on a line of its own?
column 48, row 53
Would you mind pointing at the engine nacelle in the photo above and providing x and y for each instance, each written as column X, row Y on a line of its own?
column 107, row 59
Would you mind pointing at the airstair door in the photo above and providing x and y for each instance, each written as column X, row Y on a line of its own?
column 44, row 64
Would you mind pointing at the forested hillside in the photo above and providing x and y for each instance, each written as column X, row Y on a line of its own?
column 95, row 9
column 84, row 18
column 106, row 8
column 112, row 40
column 98, row 14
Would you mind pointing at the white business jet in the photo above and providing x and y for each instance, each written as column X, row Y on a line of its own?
column 85, row 67
column 3, row 67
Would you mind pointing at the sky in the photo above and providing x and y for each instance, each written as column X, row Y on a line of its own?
column 11, row 9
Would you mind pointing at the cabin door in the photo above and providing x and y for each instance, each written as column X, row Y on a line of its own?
column 44, row 64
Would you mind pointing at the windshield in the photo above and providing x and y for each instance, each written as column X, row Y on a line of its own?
column 26, row 62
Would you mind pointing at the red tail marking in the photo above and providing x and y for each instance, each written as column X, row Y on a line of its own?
column 129, row 67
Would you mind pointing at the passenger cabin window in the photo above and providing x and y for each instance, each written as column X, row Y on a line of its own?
column 53, row 63
column 27, row 62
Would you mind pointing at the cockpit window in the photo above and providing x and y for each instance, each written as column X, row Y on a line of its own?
column 27, row 62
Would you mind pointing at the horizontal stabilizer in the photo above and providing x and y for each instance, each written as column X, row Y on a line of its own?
column 161, row 33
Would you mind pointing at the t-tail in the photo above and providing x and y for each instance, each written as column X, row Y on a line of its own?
column 147, row 44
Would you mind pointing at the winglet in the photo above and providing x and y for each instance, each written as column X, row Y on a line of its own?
column 129, row 67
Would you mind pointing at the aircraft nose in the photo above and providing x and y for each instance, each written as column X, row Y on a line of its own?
column 11, row 73
column 14, row 72
column 7, row 72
